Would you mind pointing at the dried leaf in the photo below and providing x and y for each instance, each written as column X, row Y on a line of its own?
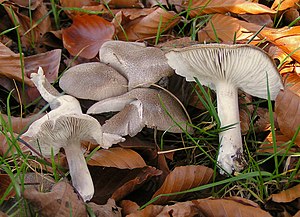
column 117, row 157
column 227, row 28
column 10, row 66
column 59, row 202
column 281, row 144
column 76, row 4
column 125, row 3
column 128, row 207
column 20, row 124
column 5, row 181
column 159, row 20
column 259, row 19
column 287, row 107
column 110, row 209
column 285, row 38
column 219, row 6
column 235, row 206
column 287, row 196
column 2, row 214
column 91, row 31
column 116, row 183
column 262, row 123
column 183, row 178
column 281, row 5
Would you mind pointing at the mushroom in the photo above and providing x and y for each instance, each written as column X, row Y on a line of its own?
column 225, row 68
column 142, row 107
column 95, row 81
column 141, row 65
column 64, row 127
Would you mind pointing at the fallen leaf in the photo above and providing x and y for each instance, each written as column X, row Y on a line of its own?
column 128, row 207
column 285, row 38
column 60, row 202
column 20, row 124
column 10, row 66
column 2, row 214
column 116, row 183
column 262, row 122
column 282, row 5
column 225, row 28
column 282, row 144
column 110, row 209
column 235, row 206
column 219, row 6
column 117, row 157
column 5, row 181
column 258, row 19
column 229, row 207
column 76, row 4
column 125, row 3
column 287, row 196
column 287, row 107
column 157, row 22
column 91, row 31
column 28, row 4
column 291, row 15
column 183, row 178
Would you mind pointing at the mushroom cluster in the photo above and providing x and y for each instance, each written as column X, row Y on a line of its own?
column 64, row 127
column 225, row 69
column 121, row 82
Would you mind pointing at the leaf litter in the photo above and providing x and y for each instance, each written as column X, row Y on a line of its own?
column 59, row 35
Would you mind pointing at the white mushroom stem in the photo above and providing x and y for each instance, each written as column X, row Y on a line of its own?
column 230, row 139
column 80, row 175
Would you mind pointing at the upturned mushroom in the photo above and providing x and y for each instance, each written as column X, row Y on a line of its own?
column 141, row 65
column 95, row 81
column 64, row 127
column 142, row 107
column 225, row 68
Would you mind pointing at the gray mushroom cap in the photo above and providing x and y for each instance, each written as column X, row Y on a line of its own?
column 141, row 65
column 141, row 107
column 95, row 81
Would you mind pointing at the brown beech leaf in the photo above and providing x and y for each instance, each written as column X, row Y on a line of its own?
column 110, row 209
column 259, row 19
column 117, row 157
column 128, row 207
column 28, row 4
column 20, row 124
column 287, row 196
column 227, row 28
column 7, row 148
column 219, row 6
column 91, row 31
column 287, row 107
column 5, row 181
column 116, row 183
column 31, row 29
column 59, row 202
column 235, row 206
column 281, row 144
column 76, row 4
column 2, row 214
column 125, row 3
column 10, row 66
column 282, row 5
column 229, row 207
column 285, row 38
column 183, row 178
column 148, row 26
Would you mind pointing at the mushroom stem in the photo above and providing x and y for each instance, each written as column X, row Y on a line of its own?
column 230, row 139
column 80, row 175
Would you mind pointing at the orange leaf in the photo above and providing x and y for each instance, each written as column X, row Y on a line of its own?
column 183, row 178
column 285, row 38
column 117, row 157
column 76, row 4
column 220, row 6
column 287, row 196
column 86, row 35
column 287, row 107
column 148, row 26
column 282, row 5
column 227, row 28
